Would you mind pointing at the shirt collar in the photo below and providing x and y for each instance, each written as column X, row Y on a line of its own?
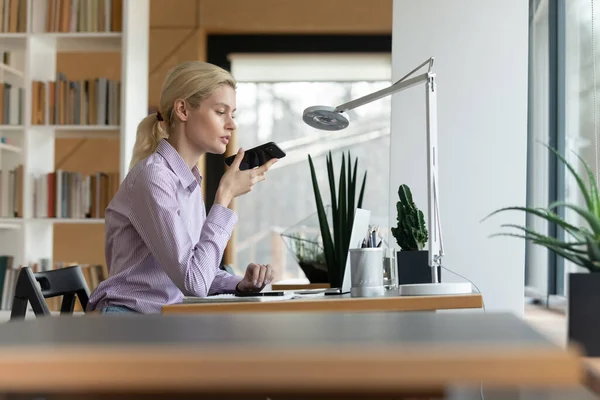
column 188, row 178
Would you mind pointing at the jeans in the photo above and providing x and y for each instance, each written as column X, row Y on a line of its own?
column 117, row 310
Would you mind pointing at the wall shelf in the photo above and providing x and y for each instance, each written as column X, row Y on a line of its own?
column 11, row 71
column 10, row 148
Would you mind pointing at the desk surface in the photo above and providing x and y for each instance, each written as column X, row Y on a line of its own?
column 281, row 353
column 337, row 303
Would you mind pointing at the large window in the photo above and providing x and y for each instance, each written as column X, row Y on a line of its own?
column 579, row 99
column 273, row 90
column 538, row 179
column 563, row 113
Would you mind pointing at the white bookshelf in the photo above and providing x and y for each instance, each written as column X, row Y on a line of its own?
column 33, row 58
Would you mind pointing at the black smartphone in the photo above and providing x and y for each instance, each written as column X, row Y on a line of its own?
column 263, row 294
column 257, row 156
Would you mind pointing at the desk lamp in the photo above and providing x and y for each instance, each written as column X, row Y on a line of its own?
column 335, row 118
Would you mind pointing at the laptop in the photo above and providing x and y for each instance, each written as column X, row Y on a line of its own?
column 360, row 227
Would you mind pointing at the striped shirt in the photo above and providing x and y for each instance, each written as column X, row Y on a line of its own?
column 160, row 244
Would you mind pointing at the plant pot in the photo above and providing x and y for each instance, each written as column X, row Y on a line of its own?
column 413, row 267
column 315, row 272
column 583, row 317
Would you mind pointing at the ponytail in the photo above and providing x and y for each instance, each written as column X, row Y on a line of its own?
column 149, row 133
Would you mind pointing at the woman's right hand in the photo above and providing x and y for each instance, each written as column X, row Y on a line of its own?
column 236, row 182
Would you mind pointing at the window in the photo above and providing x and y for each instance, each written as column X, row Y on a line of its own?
column 273, row 90
column 564, row 51
column 579, row 101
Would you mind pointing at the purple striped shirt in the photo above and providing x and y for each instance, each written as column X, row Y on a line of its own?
column 160, row 244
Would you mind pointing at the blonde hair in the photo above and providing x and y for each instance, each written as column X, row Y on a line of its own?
column 191, row 81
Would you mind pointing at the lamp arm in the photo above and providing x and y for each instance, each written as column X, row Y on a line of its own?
column 400, row 84
column 396, row 87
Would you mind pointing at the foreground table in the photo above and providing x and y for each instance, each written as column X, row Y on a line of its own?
column 337, row 303
column 268, row 354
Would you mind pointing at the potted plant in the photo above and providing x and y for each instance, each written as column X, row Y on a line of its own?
column 580, row 246
column 411, row 235
column 336, row 241
column 309, row 255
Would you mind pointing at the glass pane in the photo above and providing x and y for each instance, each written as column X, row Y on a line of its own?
column 536, row 278
column 273, row 112
column 579, row 102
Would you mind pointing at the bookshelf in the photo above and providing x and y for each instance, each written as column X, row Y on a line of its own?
column 40, row 105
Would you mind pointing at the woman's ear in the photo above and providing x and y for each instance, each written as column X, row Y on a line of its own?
column 180, row 110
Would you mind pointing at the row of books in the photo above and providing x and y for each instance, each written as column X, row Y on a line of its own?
column 83, row 102
column 13, row 16
column 58, row 194
column 64, row 194
column 11, row 192
column 12, row 99
column 93, row 274
column 82, row 15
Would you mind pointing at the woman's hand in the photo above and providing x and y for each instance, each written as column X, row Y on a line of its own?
column 257, row 276
column 235, row 182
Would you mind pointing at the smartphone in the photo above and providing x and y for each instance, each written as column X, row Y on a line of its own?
column 257, row 156
column 263, row 294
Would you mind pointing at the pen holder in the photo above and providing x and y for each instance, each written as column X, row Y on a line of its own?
column 366, row 270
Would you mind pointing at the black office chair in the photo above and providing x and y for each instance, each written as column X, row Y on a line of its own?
column 67, row 282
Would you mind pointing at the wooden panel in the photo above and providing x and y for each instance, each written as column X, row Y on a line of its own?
column 80, row 243
column 336, row 304
column 88, row 155
column 173, row 13
column 168, row 48
column 89, row 65
column 294, row 16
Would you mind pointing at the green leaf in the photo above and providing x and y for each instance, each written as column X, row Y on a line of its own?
column 593, row 249
column 542, row 213
column 591, row 219
column 580, row 182
column 533, row 235
column 328, row 247
column 582, row 261
column 594, row 196
column 331, row 184
column 362, row 191
column 342, row 247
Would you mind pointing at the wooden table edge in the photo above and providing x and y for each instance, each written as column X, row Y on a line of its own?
column 222, row 368
column 325, row 304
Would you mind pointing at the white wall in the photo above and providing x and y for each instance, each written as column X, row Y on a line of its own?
column 481, row 65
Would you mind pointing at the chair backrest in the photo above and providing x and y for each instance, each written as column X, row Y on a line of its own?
column 35, row 287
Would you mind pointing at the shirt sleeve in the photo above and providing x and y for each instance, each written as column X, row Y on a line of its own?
column 224, row 282
column 155, row 214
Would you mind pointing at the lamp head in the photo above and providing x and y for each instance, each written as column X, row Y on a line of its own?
column 325, row 118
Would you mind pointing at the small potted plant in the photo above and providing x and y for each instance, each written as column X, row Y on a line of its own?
column 581, row 246
column 412, row 236
column 309, row 255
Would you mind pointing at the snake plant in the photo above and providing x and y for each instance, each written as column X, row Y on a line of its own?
column 582, row 243
column 336, row 243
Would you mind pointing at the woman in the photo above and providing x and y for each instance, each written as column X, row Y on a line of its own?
column 160, row 243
